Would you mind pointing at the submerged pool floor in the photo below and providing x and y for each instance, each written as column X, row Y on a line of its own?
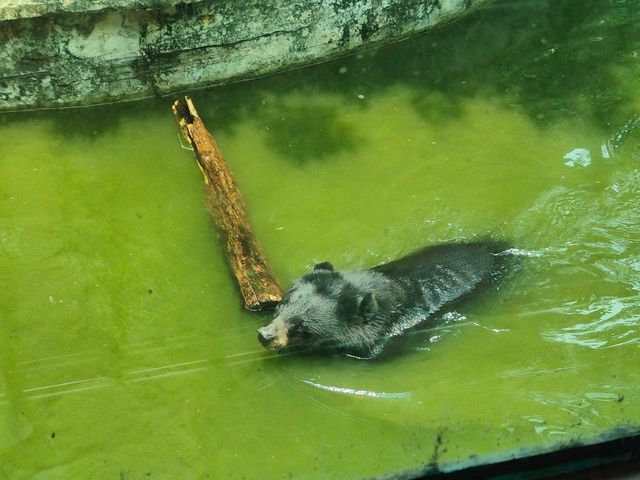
column 124, row 352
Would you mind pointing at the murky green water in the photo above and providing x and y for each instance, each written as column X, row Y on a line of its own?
column 123, row 349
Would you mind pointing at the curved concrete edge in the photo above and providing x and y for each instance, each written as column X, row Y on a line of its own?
column 115, row 54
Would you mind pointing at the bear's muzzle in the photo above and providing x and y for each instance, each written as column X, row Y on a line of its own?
column 274, row 336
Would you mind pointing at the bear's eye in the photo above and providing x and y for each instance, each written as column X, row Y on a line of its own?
column 297, row 328
column 299, row 331
column 296, row 324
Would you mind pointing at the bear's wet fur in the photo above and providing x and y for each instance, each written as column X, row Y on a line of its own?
column 357, row 311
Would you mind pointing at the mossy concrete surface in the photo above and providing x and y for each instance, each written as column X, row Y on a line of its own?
column 59, row 53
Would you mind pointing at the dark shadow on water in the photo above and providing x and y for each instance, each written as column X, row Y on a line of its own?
column 304, row 133
column 91, row 123
column 557, row 60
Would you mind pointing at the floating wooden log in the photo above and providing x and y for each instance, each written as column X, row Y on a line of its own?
column 257, row 282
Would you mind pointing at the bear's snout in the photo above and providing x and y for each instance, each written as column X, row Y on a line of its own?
column 274, row 336
column 264, row 341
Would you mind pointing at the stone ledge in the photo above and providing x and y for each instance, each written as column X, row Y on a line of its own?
column 112, row 53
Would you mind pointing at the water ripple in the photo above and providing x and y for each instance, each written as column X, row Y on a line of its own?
column 617, row 323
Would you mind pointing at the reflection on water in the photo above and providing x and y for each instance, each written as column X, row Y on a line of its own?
column 123, row 350
column 611, row 146
column 56, row 366
column 357, row 392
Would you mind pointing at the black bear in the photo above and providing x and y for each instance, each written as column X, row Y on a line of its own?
column 357, row 312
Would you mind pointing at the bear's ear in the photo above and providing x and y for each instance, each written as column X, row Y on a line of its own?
column 323, row 266
column 368, row 306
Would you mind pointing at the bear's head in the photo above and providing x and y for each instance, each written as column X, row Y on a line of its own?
column 325, row 309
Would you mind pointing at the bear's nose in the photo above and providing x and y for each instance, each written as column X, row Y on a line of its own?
column 265, row 336
column 274, row 335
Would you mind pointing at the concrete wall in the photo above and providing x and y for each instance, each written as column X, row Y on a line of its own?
column 78, row 52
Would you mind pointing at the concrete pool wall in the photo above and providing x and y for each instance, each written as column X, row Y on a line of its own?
column 59, row 53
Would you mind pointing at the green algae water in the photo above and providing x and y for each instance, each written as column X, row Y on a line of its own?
column 124, row 353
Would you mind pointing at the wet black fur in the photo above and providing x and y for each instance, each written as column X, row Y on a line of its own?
column 357, row 312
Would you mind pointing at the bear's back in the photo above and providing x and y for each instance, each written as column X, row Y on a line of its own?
column 441, row 273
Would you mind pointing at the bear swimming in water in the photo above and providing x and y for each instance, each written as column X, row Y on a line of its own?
column 357, row 311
